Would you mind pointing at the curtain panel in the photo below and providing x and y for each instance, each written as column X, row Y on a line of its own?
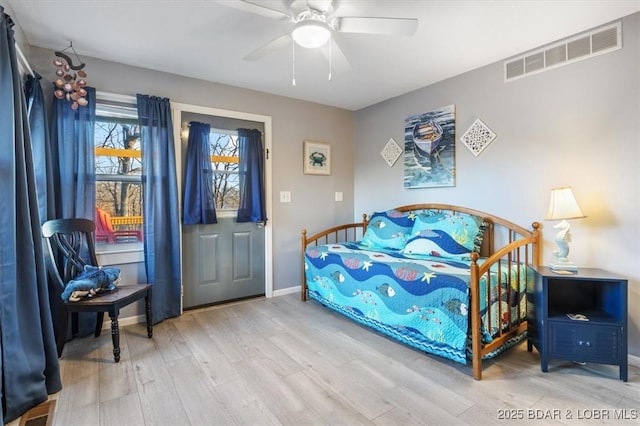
column 251, row 170
column 160, row 205
column 198, row 196
column 74, row 183
column 73, row 137
column 28, row 358
column 40, row 142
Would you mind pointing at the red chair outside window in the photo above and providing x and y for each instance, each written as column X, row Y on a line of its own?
column 105, row 232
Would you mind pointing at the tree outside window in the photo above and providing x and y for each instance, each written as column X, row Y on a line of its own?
column 224, row 162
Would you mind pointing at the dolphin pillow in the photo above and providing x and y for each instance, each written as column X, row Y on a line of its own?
column 446, row 235
column 91, row 282
column 388, row 230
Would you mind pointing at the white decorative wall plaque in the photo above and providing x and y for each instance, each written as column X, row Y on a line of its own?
column 477, row 137
column 391, row 152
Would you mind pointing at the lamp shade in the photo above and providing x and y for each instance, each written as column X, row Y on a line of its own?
column 311, row 34
column 563, row 205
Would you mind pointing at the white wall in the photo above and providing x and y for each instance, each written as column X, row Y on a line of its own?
column 576, row 125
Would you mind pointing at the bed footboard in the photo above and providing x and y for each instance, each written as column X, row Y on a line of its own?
column 337, row 234
column 509, row 268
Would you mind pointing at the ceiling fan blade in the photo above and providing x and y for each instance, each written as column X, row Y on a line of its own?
column 386, row 26
column 337, row 58
column 257, row 9
column 269, row 48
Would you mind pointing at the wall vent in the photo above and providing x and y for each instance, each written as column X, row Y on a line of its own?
column 581, row 46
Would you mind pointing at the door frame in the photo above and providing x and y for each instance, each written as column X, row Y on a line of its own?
column 177, row 109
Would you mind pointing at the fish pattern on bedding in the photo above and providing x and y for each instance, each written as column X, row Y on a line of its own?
column 420, row 300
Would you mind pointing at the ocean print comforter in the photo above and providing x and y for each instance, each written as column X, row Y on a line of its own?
column 422, row 301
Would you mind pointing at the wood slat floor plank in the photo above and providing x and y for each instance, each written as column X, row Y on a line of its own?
column 281, row 361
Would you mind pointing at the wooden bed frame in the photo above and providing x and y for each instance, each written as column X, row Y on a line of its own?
column 519, row 246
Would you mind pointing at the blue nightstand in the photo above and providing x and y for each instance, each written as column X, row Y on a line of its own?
column 598, row 295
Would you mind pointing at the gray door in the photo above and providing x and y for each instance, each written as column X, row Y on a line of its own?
column 222, row 262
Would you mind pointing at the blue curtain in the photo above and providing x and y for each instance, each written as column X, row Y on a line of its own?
column 160, row 205
column 42, row 154
column 72, row 135
column 198, row 196
column 28, row 358
column 251, row 169
column 73, row 155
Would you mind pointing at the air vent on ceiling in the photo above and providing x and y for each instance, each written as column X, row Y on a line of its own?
column 581, row 46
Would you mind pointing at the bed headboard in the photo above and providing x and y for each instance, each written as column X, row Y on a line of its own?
column 508, row 231
column 498, row 233
column 503, row 241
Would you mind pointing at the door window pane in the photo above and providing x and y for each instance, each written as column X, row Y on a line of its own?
column 224, row 162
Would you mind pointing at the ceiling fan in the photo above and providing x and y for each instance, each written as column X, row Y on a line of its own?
column 315, row 21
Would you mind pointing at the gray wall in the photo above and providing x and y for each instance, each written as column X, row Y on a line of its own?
column 576, row 125
column 293, row 121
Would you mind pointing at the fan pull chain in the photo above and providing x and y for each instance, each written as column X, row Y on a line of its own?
column 293, row 45
column 330, row 58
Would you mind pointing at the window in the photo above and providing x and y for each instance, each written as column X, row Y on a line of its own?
column 223, row 146
column 118, row 165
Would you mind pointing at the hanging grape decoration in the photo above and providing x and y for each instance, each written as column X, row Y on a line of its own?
column 70, row 79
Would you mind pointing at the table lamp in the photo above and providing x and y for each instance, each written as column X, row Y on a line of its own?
column 563, row 206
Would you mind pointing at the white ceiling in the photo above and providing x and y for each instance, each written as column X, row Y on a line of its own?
column 208, row 40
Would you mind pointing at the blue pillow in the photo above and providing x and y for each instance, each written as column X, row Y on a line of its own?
column 91, row 282
column 388, row 230
column 445, row 234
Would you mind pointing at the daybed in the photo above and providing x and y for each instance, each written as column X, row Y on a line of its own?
column 429, row 276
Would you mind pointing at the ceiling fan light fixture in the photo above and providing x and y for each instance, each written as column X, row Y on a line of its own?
column 311, row 34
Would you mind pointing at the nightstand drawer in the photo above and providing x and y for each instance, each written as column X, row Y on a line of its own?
column 584, row 342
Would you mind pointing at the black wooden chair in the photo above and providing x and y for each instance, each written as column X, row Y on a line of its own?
column 70, row 245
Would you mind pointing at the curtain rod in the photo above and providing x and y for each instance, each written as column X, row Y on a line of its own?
column 115, row 97
column 24, row 61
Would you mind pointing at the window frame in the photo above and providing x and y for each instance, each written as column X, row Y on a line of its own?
column 116, row 107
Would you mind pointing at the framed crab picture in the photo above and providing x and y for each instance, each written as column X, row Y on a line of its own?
column 317, row 158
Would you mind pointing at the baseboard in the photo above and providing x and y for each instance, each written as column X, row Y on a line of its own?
column 633, row 360
column 285, row 291
column 124, row 321
column 141, row 319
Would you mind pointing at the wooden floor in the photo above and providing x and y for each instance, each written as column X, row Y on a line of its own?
column 281, row 361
